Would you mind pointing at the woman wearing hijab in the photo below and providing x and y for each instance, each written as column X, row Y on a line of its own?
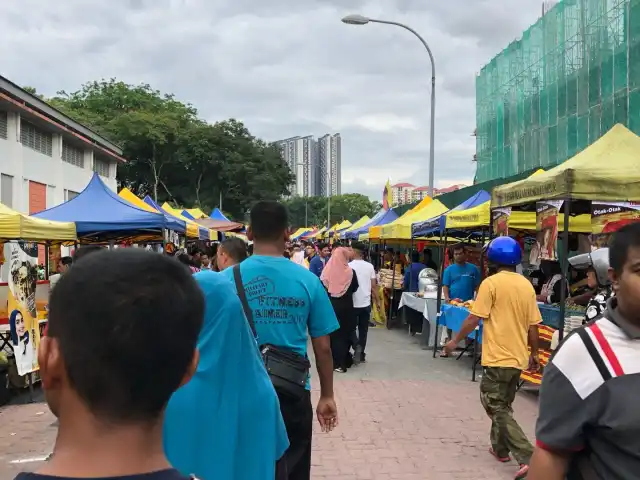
column 341, row 282
column 225, row 424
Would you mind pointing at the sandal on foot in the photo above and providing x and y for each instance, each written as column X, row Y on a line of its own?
column 498, row 458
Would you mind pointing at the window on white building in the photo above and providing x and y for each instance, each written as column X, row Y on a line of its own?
column 72, row 155
column 69, row 195
column 101, row 166
column 6, row 190
column 4, row 129
column 36, row 138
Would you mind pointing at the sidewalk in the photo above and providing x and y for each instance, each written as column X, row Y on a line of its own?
column 403, row 416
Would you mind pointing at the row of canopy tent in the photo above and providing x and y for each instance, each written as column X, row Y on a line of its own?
column 99, row 214
column 18, row 226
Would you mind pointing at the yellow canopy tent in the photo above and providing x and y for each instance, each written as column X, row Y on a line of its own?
column 356, row 225
column 319, row 234
column 480, row 216
column 337, row 227
column 400, row 229
column 193, row 228
column 18, row 226
column 376, row 231
column 130, row 197
column 196, row 213
column 299, row 232
column 607, row 170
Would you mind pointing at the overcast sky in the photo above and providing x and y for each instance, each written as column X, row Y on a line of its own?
column 285, row 68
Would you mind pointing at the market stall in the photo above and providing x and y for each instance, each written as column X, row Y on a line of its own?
column 356, row 225
column 101, row 216
column 23, row 298
column 204, row 232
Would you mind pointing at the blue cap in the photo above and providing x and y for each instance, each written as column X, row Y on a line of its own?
column 504, row 251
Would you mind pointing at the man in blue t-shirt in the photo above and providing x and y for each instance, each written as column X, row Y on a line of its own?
column 318, row 261
column 290, row 304
column 460, row 280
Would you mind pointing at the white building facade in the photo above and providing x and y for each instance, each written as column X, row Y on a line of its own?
column 45, row 157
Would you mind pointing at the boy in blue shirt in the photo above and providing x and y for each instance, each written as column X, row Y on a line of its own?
column 460, row 280
column 289, row 304
column 318, row 261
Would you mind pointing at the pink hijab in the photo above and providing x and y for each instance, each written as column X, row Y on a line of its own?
column 337, row 274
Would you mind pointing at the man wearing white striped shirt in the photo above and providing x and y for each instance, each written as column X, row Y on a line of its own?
column 589, row 422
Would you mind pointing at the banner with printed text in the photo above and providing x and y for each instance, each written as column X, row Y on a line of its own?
column 500, row 221
column 22, row 258
column 547, row 229
column 609, row 217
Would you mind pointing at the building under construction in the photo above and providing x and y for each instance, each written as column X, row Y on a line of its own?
column 572, row 76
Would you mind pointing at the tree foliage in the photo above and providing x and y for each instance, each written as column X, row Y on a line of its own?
column 350, row 206
column 175, row 156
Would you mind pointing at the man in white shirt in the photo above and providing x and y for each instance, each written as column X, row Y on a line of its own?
column 368, row 288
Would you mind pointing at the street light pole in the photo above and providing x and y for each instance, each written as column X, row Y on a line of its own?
column 361, row 20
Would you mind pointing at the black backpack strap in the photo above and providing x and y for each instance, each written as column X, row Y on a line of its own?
column 593, row 352
column 243, row 298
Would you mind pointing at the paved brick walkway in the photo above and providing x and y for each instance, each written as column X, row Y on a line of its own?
column 403, row 416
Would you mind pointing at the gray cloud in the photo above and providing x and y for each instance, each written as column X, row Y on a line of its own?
column 285, row 68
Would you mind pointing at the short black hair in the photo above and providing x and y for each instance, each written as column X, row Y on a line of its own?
column 415, row 256
column 66, row 261
column 360, row 246
column 236, row 248
column 82, row 252
column 128, row 333
column 625, row 238
column 322, row 245
column 428, row 252
column 269, row 221
column 460, row 246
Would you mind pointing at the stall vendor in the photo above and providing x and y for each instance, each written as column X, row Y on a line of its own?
column 460, row 280
column 552, row 288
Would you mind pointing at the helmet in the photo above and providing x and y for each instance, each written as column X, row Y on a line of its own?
column 504, row 251
column 598, row 260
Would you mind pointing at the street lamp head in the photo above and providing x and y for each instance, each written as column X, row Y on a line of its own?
column 355, row 20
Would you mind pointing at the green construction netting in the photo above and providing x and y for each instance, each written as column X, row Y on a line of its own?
column 573, row 75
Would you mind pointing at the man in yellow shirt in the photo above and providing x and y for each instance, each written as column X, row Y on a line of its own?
column 506, row 303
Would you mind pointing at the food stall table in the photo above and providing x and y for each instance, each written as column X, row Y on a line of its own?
column 452, row 317
column 427, row 305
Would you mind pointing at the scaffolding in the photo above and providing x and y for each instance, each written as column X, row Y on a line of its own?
column 573, row 75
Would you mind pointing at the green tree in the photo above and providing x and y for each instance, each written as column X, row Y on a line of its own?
column 350, row 206
column 175, row 156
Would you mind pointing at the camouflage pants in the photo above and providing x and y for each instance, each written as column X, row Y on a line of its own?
column 497, row 392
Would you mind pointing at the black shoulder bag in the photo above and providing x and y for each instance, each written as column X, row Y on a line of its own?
column 288, row 370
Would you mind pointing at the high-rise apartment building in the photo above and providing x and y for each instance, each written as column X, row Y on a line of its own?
column 315, row 164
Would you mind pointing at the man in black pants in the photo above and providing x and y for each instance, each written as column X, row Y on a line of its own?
column 367, row 290
column 289, row 304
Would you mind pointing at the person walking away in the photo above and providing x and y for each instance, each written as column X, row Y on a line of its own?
column 107, row 384
column 341, row 282
column 288, row 304
column 460, row 280
column 317, row 263
column 589, row 423
column 551, row 290
column 362, row 297
column 412, row 272
column 231, row 252
column 506, row 303
column 223, row 413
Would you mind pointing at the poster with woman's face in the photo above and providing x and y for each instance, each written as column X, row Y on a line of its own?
column 23, row 318
column 547, row 229
column 500, row 217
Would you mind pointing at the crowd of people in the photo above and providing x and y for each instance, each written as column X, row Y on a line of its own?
column 155, row 368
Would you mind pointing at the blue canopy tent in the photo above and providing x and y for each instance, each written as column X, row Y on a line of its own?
column 437, row 224
column 101, row 215
column 201, row 230
column 381, row 218
column 203, row 233
column 218, row 215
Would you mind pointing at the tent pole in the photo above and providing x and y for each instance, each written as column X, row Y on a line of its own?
column 46, row 261
column 164, row 241
column 443, row 252
column 393, row 291
column 564, row 265
column 475, row 338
